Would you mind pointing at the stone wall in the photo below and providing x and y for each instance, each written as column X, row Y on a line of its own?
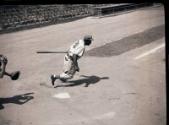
column 24, row 15
column 16, row 17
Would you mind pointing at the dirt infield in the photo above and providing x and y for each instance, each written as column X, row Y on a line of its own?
column 123, row 82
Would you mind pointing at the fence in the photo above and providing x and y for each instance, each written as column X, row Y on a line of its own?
column 115, row 8
column 13, row 17
column 22, row 15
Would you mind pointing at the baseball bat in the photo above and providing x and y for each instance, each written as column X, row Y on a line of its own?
column 45, row 52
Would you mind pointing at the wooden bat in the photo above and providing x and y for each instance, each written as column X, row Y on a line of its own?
column 46, row 52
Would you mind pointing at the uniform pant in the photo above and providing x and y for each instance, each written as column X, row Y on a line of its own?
column 68, row 69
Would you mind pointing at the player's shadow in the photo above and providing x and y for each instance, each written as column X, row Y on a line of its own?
column 87, row 80
column 18, row 99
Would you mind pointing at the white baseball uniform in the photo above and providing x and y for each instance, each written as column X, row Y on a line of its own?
column 77, row 48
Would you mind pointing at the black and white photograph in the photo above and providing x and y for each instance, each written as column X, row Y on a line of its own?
column 83, row 64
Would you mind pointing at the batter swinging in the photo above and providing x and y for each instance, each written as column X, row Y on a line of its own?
column 74, row 53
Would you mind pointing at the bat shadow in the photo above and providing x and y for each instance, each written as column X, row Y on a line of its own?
column 87, row 80
column 18, row 99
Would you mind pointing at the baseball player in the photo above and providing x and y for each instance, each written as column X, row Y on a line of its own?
column 3, row 63
column 74, row 53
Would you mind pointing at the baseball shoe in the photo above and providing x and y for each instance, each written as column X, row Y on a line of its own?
column 53, row 78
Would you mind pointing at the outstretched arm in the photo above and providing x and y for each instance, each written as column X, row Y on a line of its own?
column 3, row 62
column 2, row 70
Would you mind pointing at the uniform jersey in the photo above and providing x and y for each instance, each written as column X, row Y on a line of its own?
column 77, row 48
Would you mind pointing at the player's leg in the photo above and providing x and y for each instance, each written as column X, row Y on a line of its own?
column 63, row 76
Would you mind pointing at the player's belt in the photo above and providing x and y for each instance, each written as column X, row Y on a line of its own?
column 70, row 57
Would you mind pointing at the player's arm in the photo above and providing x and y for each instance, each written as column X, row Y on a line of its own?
column 1, row 70
column 3, row 62
column 75, row 57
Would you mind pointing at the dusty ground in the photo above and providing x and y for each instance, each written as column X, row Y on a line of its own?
column 124, row 67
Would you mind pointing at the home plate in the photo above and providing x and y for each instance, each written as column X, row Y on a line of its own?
column 64, row 95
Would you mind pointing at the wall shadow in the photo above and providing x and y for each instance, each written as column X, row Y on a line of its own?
column 87, row 80
column 18, row 99
column 128, row 43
